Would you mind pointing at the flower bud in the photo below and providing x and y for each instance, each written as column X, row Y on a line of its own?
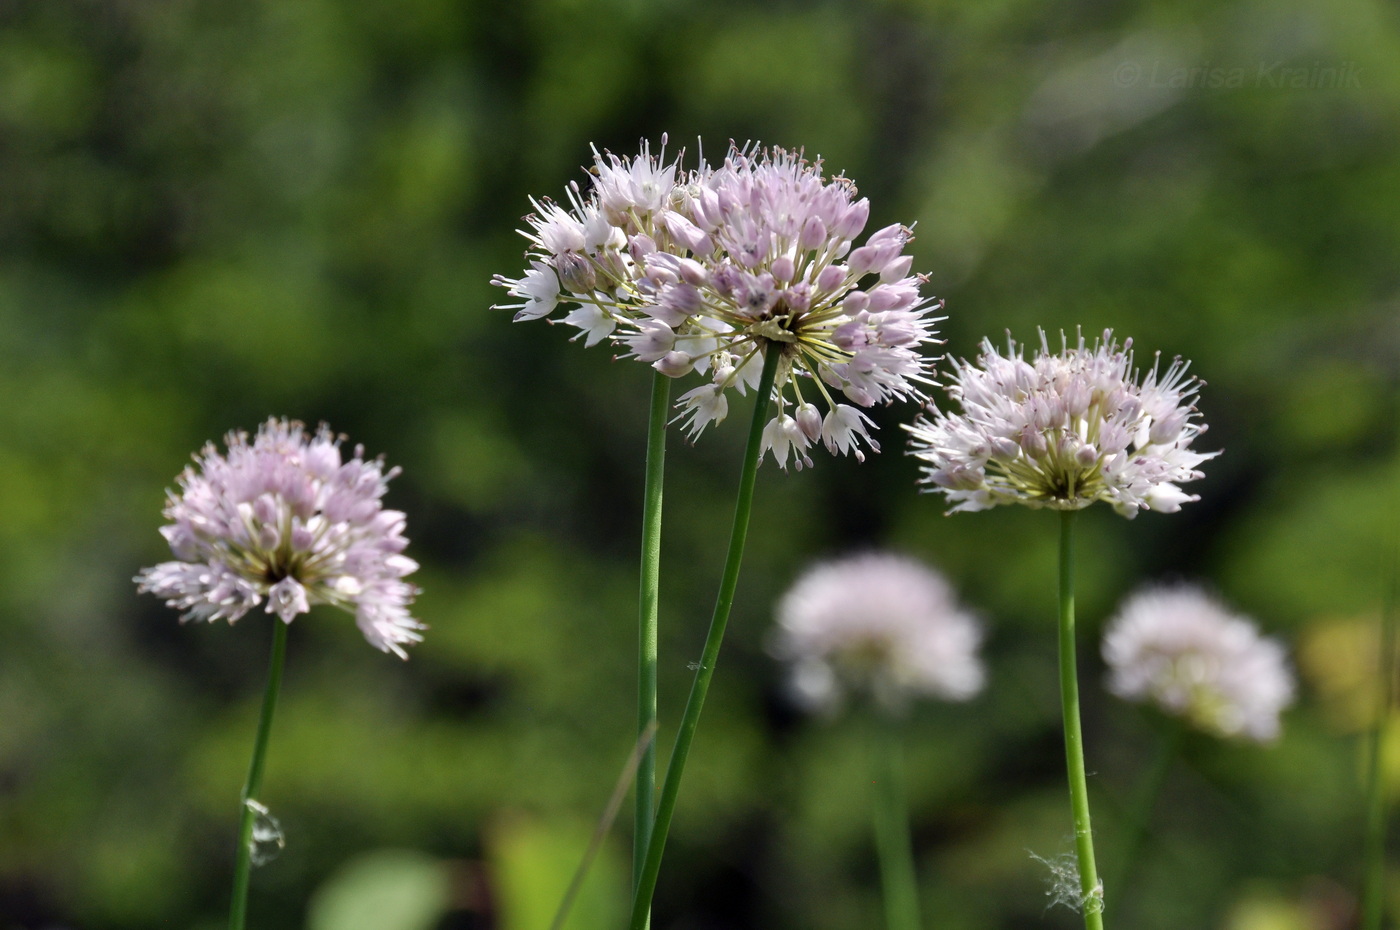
column 853, row 220
column 831, row 277
column 674, row 364
column 1003, row 449
column 575, row 272
column 849, row 336
column 640, row 246
column 813, row 233
column 809, row 420
column 653, row 340
column 897, row 269
column 1033, row 443
column 798, row 297
column 693, row 272
column 675, row 304
column 1168, row 428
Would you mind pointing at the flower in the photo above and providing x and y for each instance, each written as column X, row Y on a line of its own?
column 1063, row 431
column 286, row 519
column 703, row 271
column 1191, row 656
column 879, row 623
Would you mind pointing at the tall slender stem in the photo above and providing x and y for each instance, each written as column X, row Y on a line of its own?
column 1373, row 883
column 743, row 506
column 238, row 908
column 648, row 597
column 891, row 815
column 1091, row 892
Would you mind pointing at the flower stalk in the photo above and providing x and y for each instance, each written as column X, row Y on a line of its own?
column 893, row 843
column 1091, row 891
column 724, row 601
column 649, row 598
column 238, row 907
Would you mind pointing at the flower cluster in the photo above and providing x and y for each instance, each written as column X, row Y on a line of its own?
column 1182, row 650
column 285, row 518
column 1063, row 430
column 703, row 271
column 884, row 625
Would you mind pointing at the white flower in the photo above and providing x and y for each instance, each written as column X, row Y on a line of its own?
column 593, row 324
column 1185, row 652
column 540, row 288
column 882, row 624
column 1062, row 431
column 703, row 271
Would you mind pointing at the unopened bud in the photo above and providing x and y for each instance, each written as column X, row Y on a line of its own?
column 831, row 277
column 855, row 302
column 674, row 364
column 575, row 272
column 640, row 246
column 850, row 224
column 1004, row 449
column 1168, row 428
column 897, row 269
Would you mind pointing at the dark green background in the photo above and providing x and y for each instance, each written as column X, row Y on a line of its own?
column 216, row 211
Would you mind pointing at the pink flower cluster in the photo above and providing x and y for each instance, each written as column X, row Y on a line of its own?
column 703, row 271
column 288, row 520
column 1063, row 430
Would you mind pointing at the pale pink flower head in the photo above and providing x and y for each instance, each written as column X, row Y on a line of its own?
column 1181, row 649
column 1063, row 430
column 286, row 519
column 702, row 271
column 883, row 625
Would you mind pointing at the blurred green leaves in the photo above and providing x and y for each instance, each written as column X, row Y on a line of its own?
column 212, row 212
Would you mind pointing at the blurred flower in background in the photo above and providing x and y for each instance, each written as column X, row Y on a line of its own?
column 1182, row 650
column 885, row 626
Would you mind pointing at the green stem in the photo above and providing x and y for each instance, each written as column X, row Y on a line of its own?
column 648, row 597
column 1135, row 824
column 238, row 908
column 1373, row 889
column 743, row 506
column 892, row 840
column 1091, row 892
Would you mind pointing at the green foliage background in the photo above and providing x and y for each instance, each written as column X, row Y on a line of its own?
column 213, row 211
